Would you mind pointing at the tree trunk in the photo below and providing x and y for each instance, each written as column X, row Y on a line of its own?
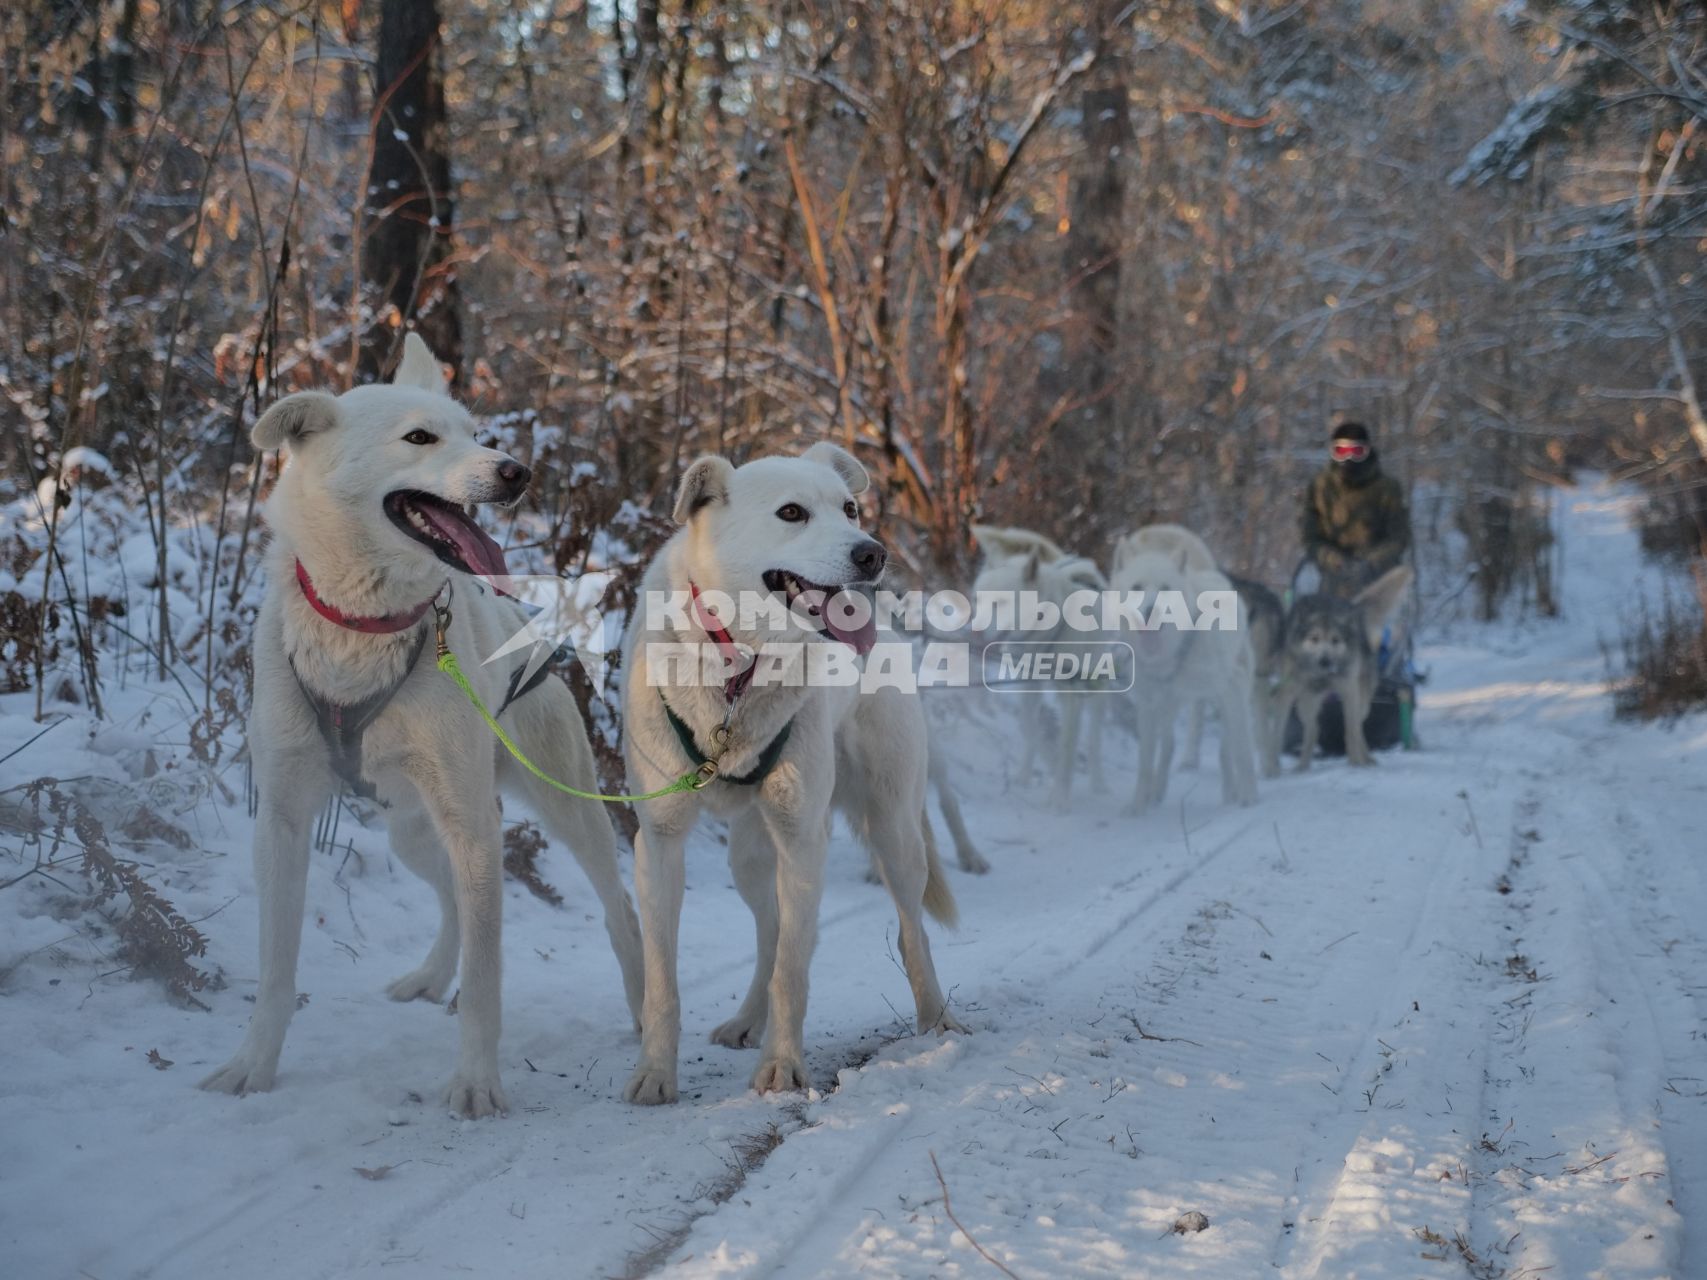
column 407, row 259
column 1082, row 449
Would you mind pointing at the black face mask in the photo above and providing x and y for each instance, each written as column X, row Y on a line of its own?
column 1360, row 472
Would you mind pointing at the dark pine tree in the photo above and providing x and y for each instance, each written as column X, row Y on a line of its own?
column 408, row 260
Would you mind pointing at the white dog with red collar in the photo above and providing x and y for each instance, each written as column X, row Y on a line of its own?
column 373, row 538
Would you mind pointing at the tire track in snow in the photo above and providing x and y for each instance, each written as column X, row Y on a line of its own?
column 777, row 1260
column 1372, row 1184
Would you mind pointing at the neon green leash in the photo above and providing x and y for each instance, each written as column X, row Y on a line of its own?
column 696, row 780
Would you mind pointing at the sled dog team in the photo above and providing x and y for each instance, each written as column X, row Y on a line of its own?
column 1252, row 675
column 376, row 558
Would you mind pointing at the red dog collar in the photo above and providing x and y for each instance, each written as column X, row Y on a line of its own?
column 737, row 684
column 384, row 624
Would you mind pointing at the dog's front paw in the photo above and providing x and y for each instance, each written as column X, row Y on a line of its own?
column 1235, row 793
column 780, row 1075
column 973, row 863
column 1361, row 762
column 243, row 1074
column 475, row 1095
column 422, row 984
column 740, row 1032
column 650, row 1086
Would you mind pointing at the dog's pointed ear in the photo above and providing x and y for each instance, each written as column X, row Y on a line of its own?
column 705, row 482
column 999, row 542
column 294, row 419
column 1380, row 599
column 419, row 367
column 843, row 463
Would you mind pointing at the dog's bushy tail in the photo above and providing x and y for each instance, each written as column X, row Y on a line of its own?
column 939, row 898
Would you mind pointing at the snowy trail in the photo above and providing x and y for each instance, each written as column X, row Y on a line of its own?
column 1319, row 1021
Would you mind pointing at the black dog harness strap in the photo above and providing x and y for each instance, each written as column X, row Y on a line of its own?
column 520, row 688
column 768, row 758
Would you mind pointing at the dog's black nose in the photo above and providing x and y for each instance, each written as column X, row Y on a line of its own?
column 514, row 476
column 869, row 558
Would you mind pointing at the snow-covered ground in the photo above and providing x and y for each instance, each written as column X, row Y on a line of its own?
column 1442, row 1017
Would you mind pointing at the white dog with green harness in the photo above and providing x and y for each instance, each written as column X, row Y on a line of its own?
column 780, row 747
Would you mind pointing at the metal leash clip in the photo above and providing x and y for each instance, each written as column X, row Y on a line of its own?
column 441, row 616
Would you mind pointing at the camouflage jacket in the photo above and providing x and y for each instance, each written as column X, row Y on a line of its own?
column 1355, row 531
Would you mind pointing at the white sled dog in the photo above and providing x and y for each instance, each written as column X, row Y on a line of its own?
column 1018, row 562
column 1172, row 540
column 784, row 747
column 1167, row 540
column 372, row 535
column 1177, row 665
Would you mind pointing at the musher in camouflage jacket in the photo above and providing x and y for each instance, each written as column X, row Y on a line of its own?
column 1356, row 525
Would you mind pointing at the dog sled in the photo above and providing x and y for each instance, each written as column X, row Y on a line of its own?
column 1391, row 721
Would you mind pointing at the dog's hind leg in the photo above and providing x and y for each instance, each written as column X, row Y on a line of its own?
column 1238, row 770
column 898, row 843
column 583, row 825
column 1271, row 704
column 1031, row 726
column 1067, row 748
column 1095, row 723
column 752, row 860
column 1149, row 734
column 1165, row 726
column 292, row 791
column 1156, row 716
column 418, row 846
column 1193, row 737
column 964, row 848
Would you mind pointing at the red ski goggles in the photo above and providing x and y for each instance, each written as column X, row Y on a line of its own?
column 1350, row 450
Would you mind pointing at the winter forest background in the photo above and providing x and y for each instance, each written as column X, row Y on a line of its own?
column 1071, row 267
column 1077, row 268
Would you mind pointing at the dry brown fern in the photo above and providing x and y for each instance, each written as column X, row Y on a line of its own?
column 155, row 939
column 523, row 843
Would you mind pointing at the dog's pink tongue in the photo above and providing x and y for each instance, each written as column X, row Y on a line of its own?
column 851, row 619
column 483, row 556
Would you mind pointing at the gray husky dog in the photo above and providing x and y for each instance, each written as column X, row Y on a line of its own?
column 1330, row 648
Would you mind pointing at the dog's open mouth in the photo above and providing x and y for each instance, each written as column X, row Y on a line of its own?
column 447, row 530
column 840, row 612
